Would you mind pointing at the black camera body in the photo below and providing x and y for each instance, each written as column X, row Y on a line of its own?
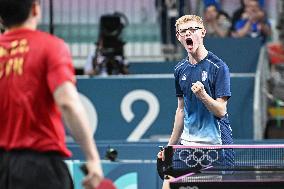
column 111, row 27
column 110, row 45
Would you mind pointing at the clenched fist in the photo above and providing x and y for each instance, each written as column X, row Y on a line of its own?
column 198, row 89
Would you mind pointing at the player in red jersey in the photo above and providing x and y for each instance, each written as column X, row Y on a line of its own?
column 37, row 86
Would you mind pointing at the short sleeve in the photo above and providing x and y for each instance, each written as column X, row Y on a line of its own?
column 179, row 92
column 59, row 65
column 223, row 84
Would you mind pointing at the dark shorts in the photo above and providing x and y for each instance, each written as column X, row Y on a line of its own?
column 23, row 169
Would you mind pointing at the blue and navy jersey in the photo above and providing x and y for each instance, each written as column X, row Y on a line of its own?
column 200, row 125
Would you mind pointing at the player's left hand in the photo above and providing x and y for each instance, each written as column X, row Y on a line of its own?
column 198, row 89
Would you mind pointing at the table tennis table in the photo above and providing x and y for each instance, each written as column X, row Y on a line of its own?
column 230, row 180
column 255, row 167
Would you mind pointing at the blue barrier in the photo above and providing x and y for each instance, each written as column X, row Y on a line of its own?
column 152, row 67
column 135, row 108
column 241, row 56
column 127, row 174
column 143, row 151
column 146, row 150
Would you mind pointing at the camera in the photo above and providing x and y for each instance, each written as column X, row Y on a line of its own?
column 109, row 56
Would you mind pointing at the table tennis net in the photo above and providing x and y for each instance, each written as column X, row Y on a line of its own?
column 225, row 157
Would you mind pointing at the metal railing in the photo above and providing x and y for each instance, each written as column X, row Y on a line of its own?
column 260, row 95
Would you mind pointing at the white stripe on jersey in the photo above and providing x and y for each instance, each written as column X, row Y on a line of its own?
column 212, row 62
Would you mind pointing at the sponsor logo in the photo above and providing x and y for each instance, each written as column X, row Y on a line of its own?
column 204, row 75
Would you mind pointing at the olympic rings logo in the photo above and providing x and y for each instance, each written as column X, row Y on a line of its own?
column 194, row 157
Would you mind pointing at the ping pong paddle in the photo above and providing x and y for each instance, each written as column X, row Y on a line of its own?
column 161, row 168
column 104, row 184
column 161, row 165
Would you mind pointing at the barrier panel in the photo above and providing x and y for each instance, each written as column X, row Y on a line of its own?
column 241, row 56
column 126, row 174
column 132, row 108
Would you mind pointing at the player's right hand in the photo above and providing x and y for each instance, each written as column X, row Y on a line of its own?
column 94, row 176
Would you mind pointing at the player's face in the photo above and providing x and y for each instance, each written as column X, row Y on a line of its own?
column 191, row 35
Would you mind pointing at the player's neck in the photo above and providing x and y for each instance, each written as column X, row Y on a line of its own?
column 198, row 55
column 29, row 24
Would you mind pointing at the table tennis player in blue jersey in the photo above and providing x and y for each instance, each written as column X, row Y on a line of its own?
column 202, row 82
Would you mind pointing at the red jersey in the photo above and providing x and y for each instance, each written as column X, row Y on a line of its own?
column 32, row 65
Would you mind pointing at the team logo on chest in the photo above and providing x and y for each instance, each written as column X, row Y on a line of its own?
column 204, row 75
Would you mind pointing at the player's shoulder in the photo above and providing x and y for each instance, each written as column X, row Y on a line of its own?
column 215, row 60
column 180, row 64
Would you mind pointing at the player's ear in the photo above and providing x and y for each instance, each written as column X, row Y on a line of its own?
column 203, row 32
column 178, row 36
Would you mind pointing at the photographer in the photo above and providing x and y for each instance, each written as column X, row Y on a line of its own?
column 108, row 58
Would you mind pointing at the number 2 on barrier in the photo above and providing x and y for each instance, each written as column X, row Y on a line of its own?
column 149, row 118
column 127, row 113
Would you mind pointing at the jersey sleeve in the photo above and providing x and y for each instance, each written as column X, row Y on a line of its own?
column 179, row 92
column 59, row 65
column 223, row 82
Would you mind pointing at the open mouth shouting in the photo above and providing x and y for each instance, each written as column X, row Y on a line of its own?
column 189, row 43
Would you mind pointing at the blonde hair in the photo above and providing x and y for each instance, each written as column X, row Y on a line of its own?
column 187, row 18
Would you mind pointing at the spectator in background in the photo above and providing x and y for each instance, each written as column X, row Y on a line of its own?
column 276, row 51
column 217, row 22
column 168, row 11
column 253, row 22
column 276, row 60
column 237, row 15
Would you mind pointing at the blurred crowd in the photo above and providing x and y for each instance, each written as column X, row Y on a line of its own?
column 249, row 20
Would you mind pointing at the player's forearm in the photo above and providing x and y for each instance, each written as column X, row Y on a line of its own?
column 75, row 117
column 178, row 127
column 77, row 122
column 219, row 109
column 73, row 112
